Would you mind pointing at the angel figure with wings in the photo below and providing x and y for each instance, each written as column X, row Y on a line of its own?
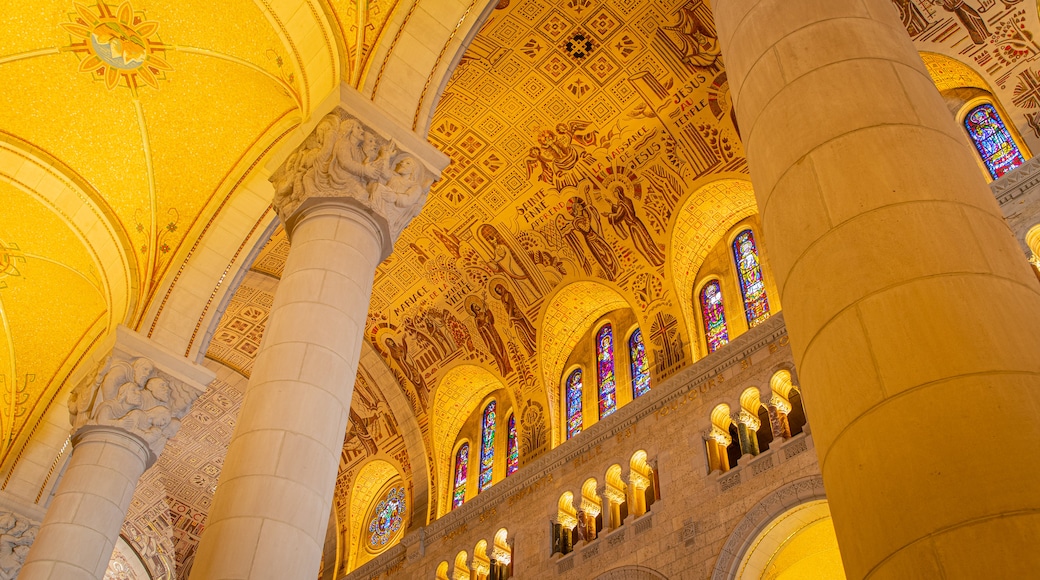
column 586, row 223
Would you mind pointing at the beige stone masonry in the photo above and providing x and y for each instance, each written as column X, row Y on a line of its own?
column 344, row 195
column 121, row 421
column 913, row 315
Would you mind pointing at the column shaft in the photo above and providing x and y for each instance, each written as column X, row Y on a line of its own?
column 78, row 534
column 275, row 491
column 912, row 315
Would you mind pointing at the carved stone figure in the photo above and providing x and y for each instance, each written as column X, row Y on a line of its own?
column 341, row 158
column 134, row 396
column 16, row 535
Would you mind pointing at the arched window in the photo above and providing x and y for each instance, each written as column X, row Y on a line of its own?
column 487, row 447
column 714, row 316
column 749, row 270
column 387, row 517
column 992, row 140
column 605, row 371
column 512, row 449
column 461, row 468
column 640, row 366
column 574, row 389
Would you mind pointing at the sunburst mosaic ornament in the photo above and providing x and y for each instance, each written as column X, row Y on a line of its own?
column 117, row 45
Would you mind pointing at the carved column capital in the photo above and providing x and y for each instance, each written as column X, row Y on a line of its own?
column 750, row 421
column 350, row 157
column 17, row 533
column 140, row 389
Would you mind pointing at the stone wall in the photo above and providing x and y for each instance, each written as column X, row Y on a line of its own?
column 684, row 533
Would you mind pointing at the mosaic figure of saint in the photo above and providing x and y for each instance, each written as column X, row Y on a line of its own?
column 694, row 36
column 970, row 18
column 586, row 222
column 485, row 322
column 400, row 355
column 625, row 221
column 514, row 263
column 912, row 17
column 517, row 320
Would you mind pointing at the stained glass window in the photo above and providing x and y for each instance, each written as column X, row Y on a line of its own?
column 749, row 270
column 574, row 389
column 487, row 447
column 605, row 371
column 640, row 366
column 512, row 449
column 388, row 516
column 714, row 315
column 461, row 467
column 992, row 140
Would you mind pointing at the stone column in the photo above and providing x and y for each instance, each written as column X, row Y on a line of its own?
column 747, row 429
column 913, row 316
column 121, row 421
column 344, row 195
column 778, row 409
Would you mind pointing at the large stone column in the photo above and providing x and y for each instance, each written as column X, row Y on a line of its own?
column 913, row 316
column 344, row 196
column 121, row 421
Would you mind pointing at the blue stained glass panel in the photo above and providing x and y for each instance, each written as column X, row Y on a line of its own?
column 640, row 365
column 487, row 447
column 992, row 140
column 749, row 270
column 714, row 315
column 512, row 448
column 605, row 371
column 574, row 390
column 461, row 469
column 388, row 516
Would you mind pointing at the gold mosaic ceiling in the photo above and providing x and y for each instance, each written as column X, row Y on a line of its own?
column 144, row 114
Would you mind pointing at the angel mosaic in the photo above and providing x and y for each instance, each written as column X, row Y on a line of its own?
column 561, row 157
column 485, row 323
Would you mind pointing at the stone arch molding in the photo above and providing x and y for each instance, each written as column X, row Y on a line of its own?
column 796, row 493
column 632, row 573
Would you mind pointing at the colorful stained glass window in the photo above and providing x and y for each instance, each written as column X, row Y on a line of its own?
column 388, row 516
column 992, row 140
column 461, row 468
column 574, row 389
column 714, row 315
column 640, row 366
column 512, row 448
column 487, row 447
column 605, row 371
column 749, row 270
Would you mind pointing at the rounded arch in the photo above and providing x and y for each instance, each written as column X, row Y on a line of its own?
column 797, row 492
column 566, row 317
column 700, row 223
column 980, row 101
column 632, row 573
column 73, row 277
column 950, row 73
column 797, row 541
column 373, row 479
column 458, row 394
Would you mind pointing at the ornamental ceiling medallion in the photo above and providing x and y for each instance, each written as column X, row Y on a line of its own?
column 117, row 45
